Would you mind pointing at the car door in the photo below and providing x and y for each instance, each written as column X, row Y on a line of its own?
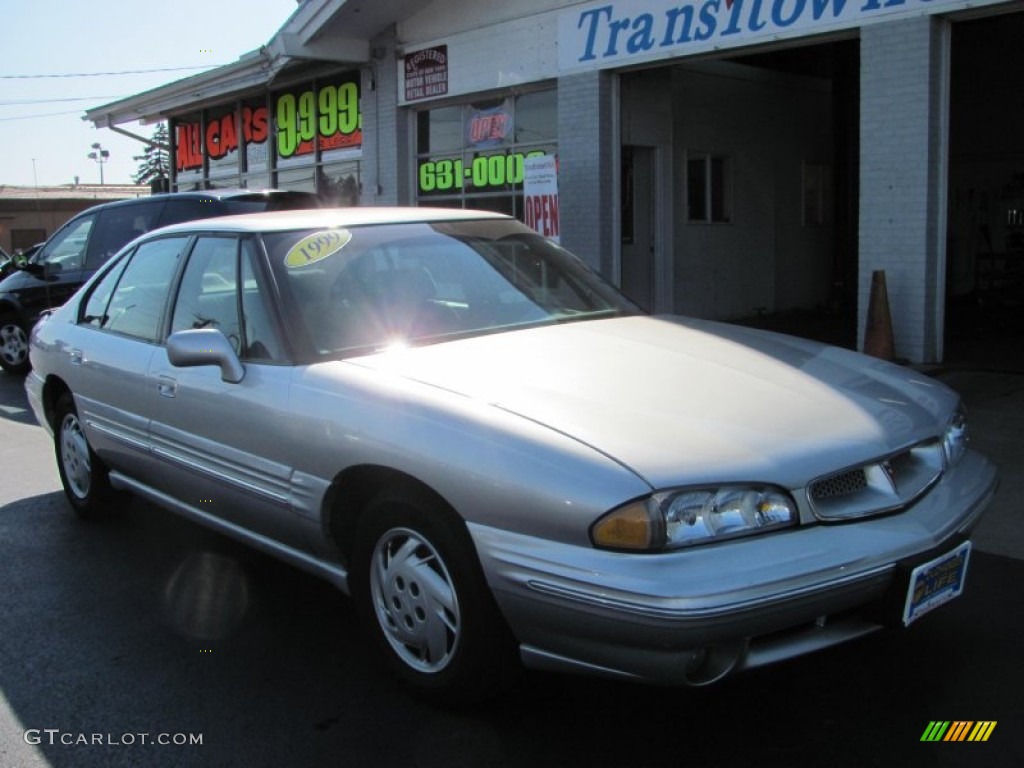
column 225, row 447
column 118, row 330
column 117, row 225
column 59, row 269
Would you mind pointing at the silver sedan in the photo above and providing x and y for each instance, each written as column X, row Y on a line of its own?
column 501, row 458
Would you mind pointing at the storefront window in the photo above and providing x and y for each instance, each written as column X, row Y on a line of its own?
column 313, row 129
column 188, row 151
column 222, row 182
column 440, row 130
column 221, row 142
column 302, row 179
column 471, row 155
column 536, row 116
column 256, row 181
column 502, row 204
column 338, row 184
column 255, row 134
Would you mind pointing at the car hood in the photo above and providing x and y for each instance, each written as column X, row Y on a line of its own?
column 682, row 401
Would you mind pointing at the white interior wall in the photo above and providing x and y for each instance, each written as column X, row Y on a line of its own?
column 765, row 259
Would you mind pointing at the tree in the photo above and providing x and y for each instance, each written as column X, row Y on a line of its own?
column 155, row 161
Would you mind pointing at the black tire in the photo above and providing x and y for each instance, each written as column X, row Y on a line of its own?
column 13, row 345
column 420, row 591
column 82, row 473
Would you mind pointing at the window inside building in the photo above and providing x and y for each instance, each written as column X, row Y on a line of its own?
column 709, row 187
column 817, row 195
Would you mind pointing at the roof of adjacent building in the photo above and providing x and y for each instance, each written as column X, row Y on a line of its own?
column 98, row 192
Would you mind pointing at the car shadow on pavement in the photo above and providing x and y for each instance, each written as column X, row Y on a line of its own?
column 148, row 624
column 13, row 401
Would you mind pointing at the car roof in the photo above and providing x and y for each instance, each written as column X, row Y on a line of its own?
column 328, row 218
column 227, row 193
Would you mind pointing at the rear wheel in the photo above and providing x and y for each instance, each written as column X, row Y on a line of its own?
column 13, row 345
column 82, row 474
column 421, row 592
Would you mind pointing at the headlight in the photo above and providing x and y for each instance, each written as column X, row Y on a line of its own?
column 675, row 519
column 954, row 441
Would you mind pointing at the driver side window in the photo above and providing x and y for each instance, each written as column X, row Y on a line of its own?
column 208, row 296
column 67, row 247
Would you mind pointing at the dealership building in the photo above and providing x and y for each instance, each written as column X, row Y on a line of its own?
column 717, row 158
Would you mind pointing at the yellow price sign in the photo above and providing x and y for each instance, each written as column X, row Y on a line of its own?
column 316, row 247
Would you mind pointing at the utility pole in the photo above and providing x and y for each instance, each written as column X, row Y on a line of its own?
column 100, row 156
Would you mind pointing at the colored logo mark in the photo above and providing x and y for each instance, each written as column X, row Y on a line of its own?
column 959, row 730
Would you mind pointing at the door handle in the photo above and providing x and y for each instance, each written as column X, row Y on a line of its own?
column 76, row 356
column 167, row 386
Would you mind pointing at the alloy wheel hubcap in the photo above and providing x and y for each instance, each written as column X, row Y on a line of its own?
column 415, row 600
column 74, row 456
column 13, row 344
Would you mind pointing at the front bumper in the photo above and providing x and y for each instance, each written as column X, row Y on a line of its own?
column 690, row 617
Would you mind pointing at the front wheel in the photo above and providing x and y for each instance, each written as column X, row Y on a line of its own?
column 13, row 345
column 81, row 472
column 420, row 590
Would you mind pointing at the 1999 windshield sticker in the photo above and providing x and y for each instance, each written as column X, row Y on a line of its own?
column 316, row 247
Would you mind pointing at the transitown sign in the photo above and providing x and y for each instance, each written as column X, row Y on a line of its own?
column 605, row 34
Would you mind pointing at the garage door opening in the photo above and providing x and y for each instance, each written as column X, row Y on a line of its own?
column 985, row 237
column 816, row 194
column 750, row 166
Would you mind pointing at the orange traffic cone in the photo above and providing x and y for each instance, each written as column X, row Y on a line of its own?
column 878, row 340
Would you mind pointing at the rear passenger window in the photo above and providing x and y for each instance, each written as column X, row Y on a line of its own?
column 137, row 304
column 189, row 209
column 94, row 310
column 117, row 226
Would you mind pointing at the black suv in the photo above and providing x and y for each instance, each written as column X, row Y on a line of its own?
column 75, row 251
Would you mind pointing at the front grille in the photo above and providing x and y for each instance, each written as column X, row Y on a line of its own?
column 902, row 464
column 840, row 485
column 884, row 485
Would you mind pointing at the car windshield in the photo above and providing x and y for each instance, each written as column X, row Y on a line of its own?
column 360, row 289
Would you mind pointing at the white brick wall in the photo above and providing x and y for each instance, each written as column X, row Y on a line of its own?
column 585, row 173
column 512, row 52
column 902, row 178
column 383, row 128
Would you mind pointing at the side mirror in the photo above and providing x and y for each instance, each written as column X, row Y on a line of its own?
column 23, row 262
column 205, row 346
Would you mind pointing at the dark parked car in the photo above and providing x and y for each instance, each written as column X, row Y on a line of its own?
column 9, row 263
column 75, row 251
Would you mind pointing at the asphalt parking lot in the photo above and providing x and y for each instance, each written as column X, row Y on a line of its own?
column 147, row 624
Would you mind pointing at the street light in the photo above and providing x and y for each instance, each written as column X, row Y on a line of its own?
column 100, row 156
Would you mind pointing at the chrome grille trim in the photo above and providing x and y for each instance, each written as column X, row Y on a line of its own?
column 884, row 485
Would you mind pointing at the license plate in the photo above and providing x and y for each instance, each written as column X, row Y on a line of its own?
column 936, row 582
